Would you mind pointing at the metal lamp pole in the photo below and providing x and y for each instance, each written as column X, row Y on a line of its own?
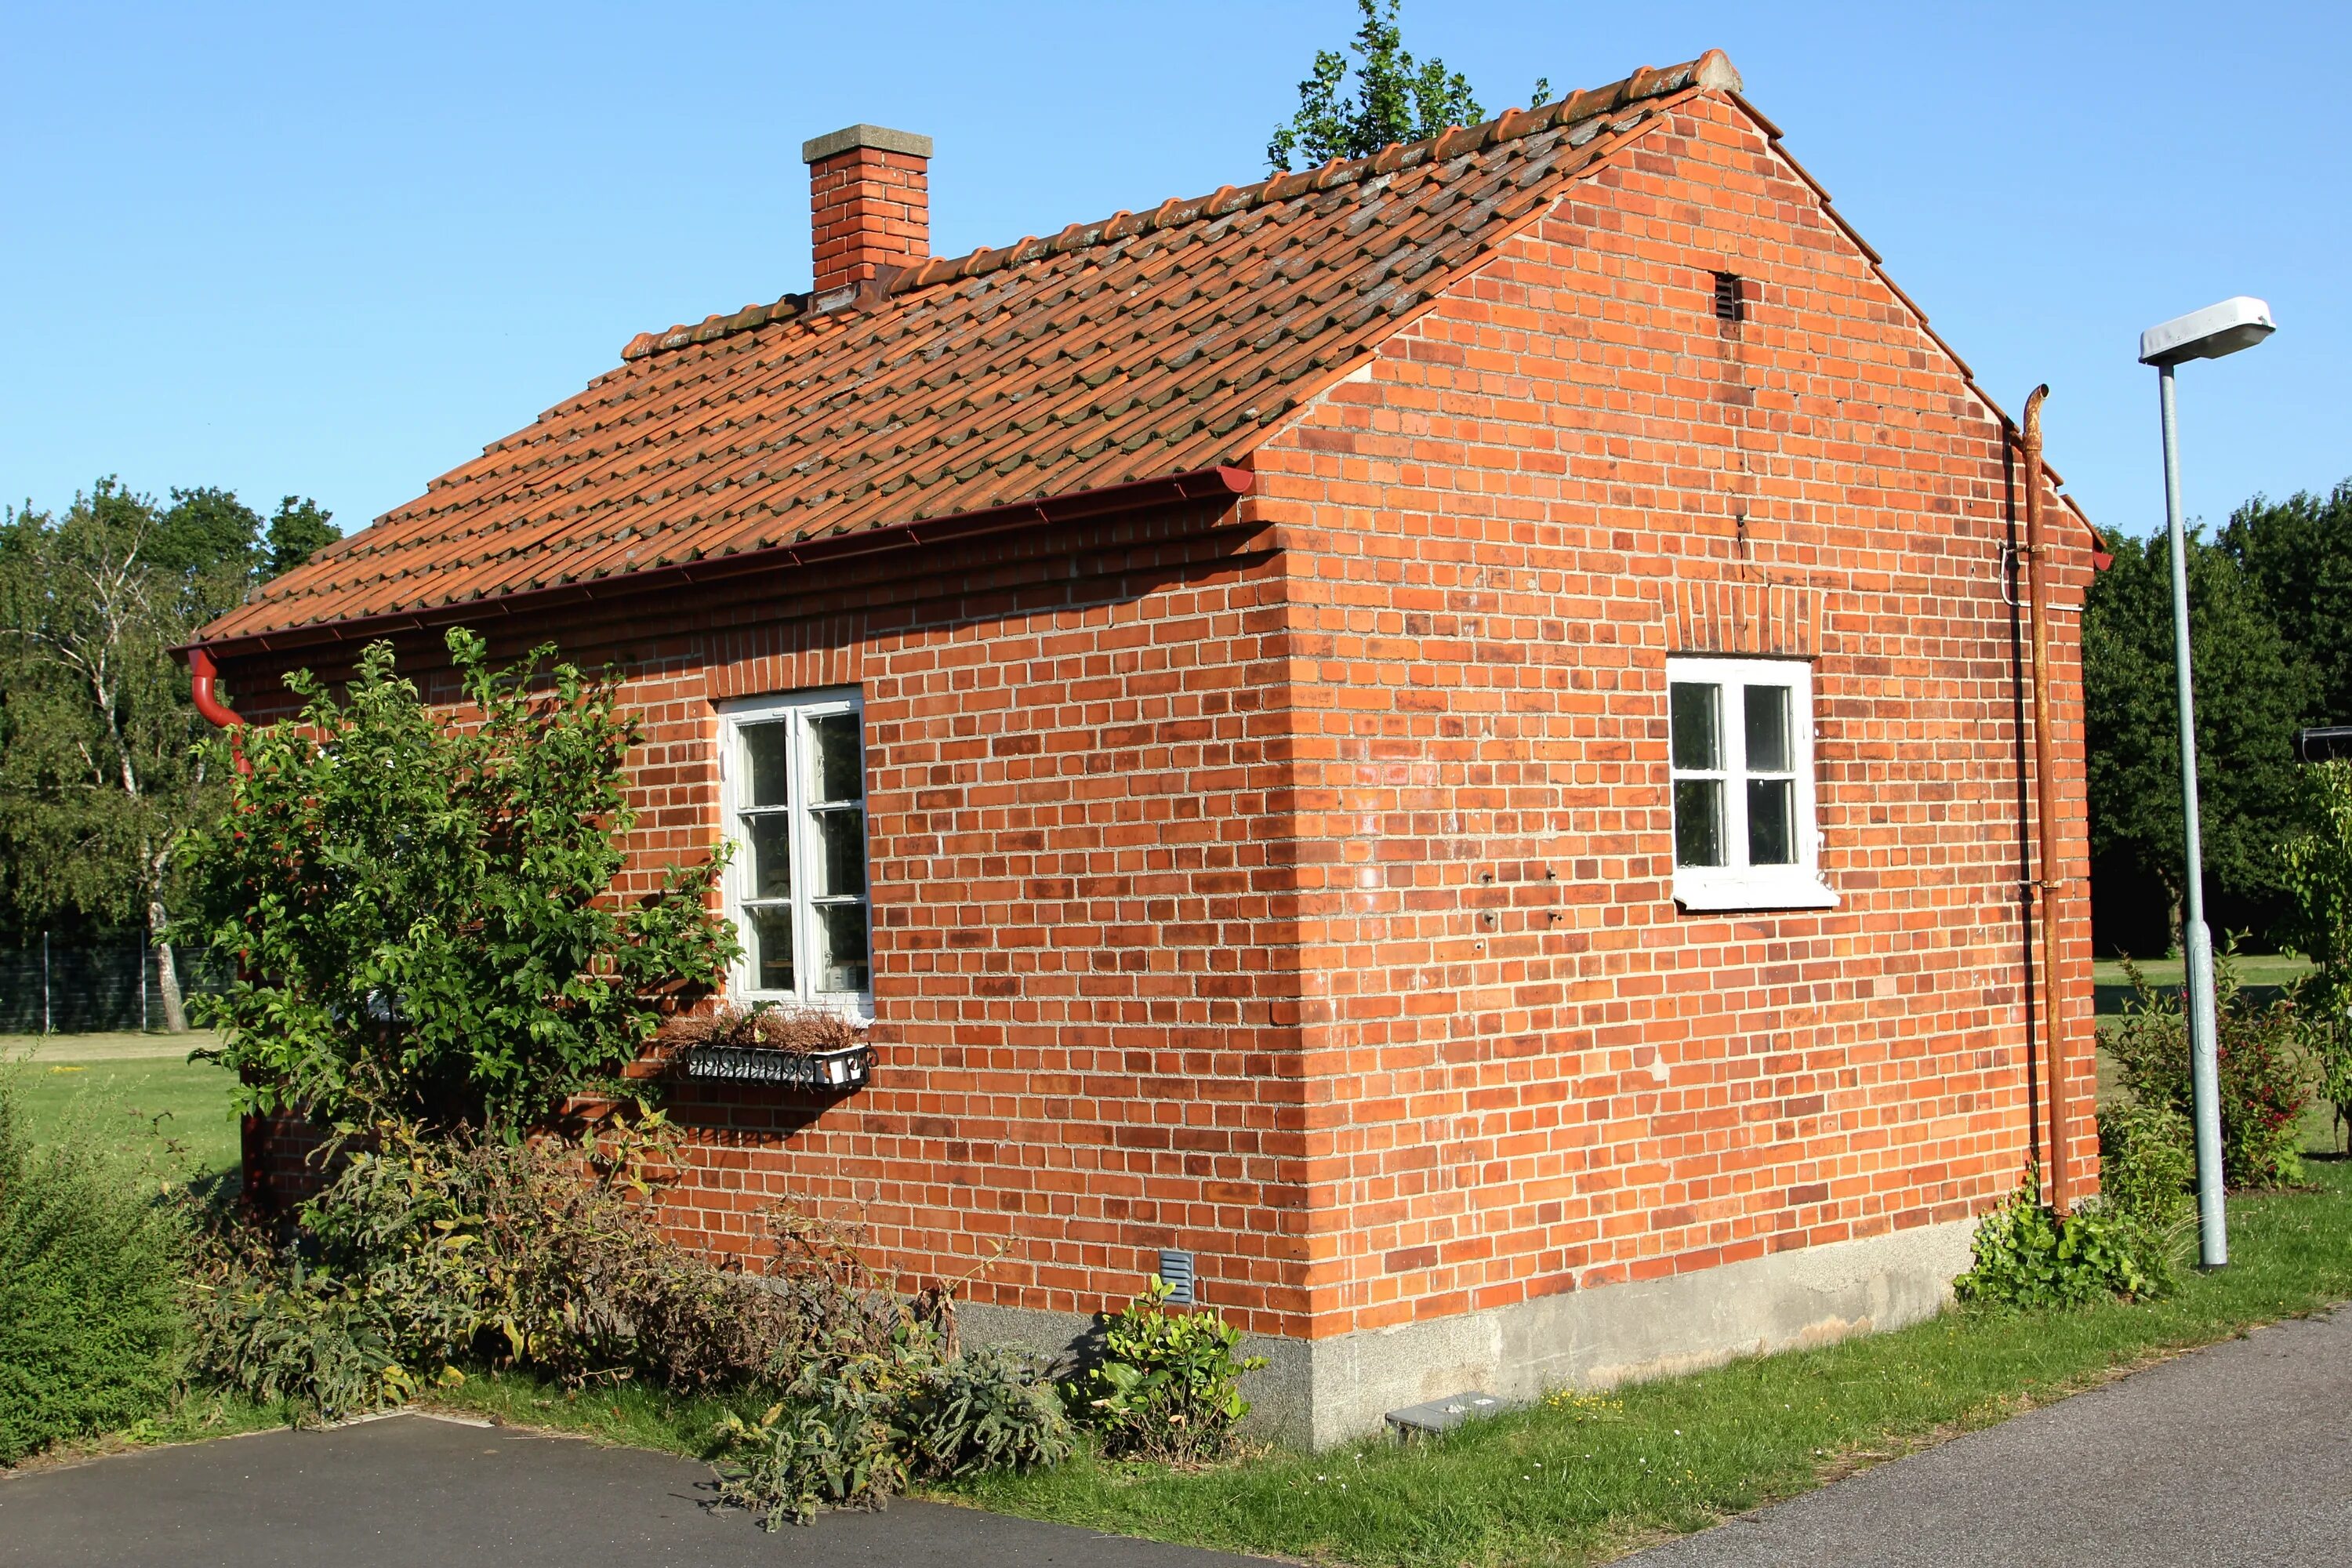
column 2210, row 333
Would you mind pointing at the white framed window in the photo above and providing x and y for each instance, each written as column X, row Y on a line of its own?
column 792, row 792
column 1741, row 745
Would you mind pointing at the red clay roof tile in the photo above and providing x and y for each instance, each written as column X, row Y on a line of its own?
column 1138, row 347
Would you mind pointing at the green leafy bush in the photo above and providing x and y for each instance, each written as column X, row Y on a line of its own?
column 419, row 906
column 2148, row 1161
column 985, row 1409
column 1167, row 1385
column 2265, row 1074
column 852, row 1433
column 2319, row 876
column 2027, row 1255
column 90, row 1265
column 831, row 1445
column 429, row 1253
column 426, row 1252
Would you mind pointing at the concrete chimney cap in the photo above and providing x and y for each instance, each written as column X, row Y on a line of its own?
column 880, row 136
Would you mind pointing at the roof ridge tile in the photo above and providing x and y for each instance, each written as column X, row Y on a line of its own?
column 1586, row 106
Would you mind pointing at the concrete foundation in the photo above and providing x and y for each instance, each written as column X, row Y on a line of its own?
column 1321, row 1392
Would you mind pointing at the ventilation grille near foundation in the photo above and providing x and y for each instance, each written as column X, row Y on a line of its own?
column 1176, row 1269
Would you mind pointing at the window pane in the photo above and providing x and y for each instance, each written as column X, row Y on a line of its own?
column 769, row 748
column 1698, row 820
column 1771, row 812
column 1768, row 730
column 840, row 764
column 841, row 837
column 1696, row 745
column 841, row 929
column 770, row 834
column 772, row 947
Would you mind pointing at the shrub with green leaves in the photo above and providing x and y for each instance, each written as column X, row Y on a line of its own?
column 1167, row 1385
column 2265, row 1073
column 90, row 1265
column 431, row 1252
column 2025, row 1255
column 852, row 1432
column 418, row 905
column 2148, row 1161
column 2320, row 877
column 427, row 1252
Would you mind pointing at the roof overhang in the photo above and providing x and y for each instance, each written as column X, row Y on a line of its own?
column 1223, row 483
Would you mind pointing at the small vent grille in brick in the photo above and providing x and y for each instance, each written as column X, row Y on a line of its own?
column 1176, row 1269
column 1729, row 306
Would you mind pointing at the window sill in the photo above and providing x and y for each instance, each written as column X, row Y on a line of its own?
column 1751, row 892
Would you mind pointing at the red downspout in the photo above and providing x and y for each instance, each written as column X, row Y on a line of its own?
column 2048, row 883
column 201, row 675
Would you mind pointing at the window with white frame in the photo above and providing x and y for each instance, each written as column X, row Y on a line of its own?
column 1741, row 738
column 793, row 788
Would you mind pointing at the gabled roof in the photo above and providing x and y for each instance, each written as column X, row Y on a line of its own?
column 1152, row 344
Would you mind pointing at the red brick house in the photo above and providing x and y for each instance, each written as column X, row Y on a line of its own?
column 1449, row 735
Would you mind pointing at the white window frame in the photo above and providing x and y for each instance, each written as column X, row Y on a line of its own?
column 1738, row 885
column 737, row 887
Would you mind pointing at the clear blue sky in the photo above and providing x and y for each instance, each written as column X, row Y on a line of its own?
column 335, row 251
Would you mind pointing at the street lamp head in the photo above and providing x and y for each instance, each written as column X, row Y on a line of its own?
column 2209, row 333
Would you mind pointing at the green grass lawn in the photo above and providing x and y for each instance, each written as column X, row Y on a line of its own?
column 2253, row 969
column 1588, row 1477
column 179, row 1110
column 1584, row 1482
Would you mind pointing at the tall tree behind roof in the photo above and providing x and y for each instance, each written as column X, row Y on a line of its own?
column 99, row 769
column 1396, row 98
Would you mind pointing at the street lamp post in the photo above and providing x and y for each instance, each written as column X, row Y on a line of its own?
column 2209, row 333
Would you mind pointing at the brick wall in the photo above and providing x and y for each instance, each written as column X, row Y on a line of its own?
column 1529, row 1071
column 1291, row 881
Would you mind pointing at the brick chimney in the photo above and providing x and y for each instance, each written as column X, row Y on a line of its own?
column 869, row 203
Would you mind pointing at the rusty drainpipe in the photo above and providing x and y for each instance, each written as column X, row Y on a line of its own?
column 201, row 676
column 2048, row 884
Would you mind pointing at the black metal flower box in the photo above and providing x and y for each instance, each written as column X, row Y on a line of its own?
column 825, row 1071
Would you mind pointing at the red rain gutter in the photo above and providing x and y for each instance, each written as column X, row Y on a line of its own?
column 1219, row 483
column 201, row 675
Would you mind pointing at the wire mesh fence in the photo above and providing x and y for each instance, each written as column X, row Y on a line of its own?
column 93, row 985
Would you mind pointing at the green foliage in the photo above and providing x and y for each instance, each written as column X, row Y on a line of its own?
column 89, row 1264
column 2148, row 1162
column 2027, row 1255
column 832, row 1446
column 851, row 1433
column 2297, row 554
column 2319, row 876
column 427, row 1252
column 1167, row 1385
column 420, row 909
column 2266, row 1075
column 985, row 1409
column 1396, row 98
column 299, row 530
column 98, row 767
column 2253, row 690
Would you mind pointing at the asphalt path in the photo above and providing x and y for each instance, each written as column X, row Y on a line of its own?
column 2237, row 1455
column 419, row 1491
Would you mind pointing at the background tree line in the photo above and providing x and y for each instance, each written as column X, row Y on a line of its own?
column 98, row 765
column 2270, row 604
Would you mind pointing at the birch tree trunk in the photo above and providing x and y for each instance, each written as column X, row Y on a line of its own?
column 167, row 974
